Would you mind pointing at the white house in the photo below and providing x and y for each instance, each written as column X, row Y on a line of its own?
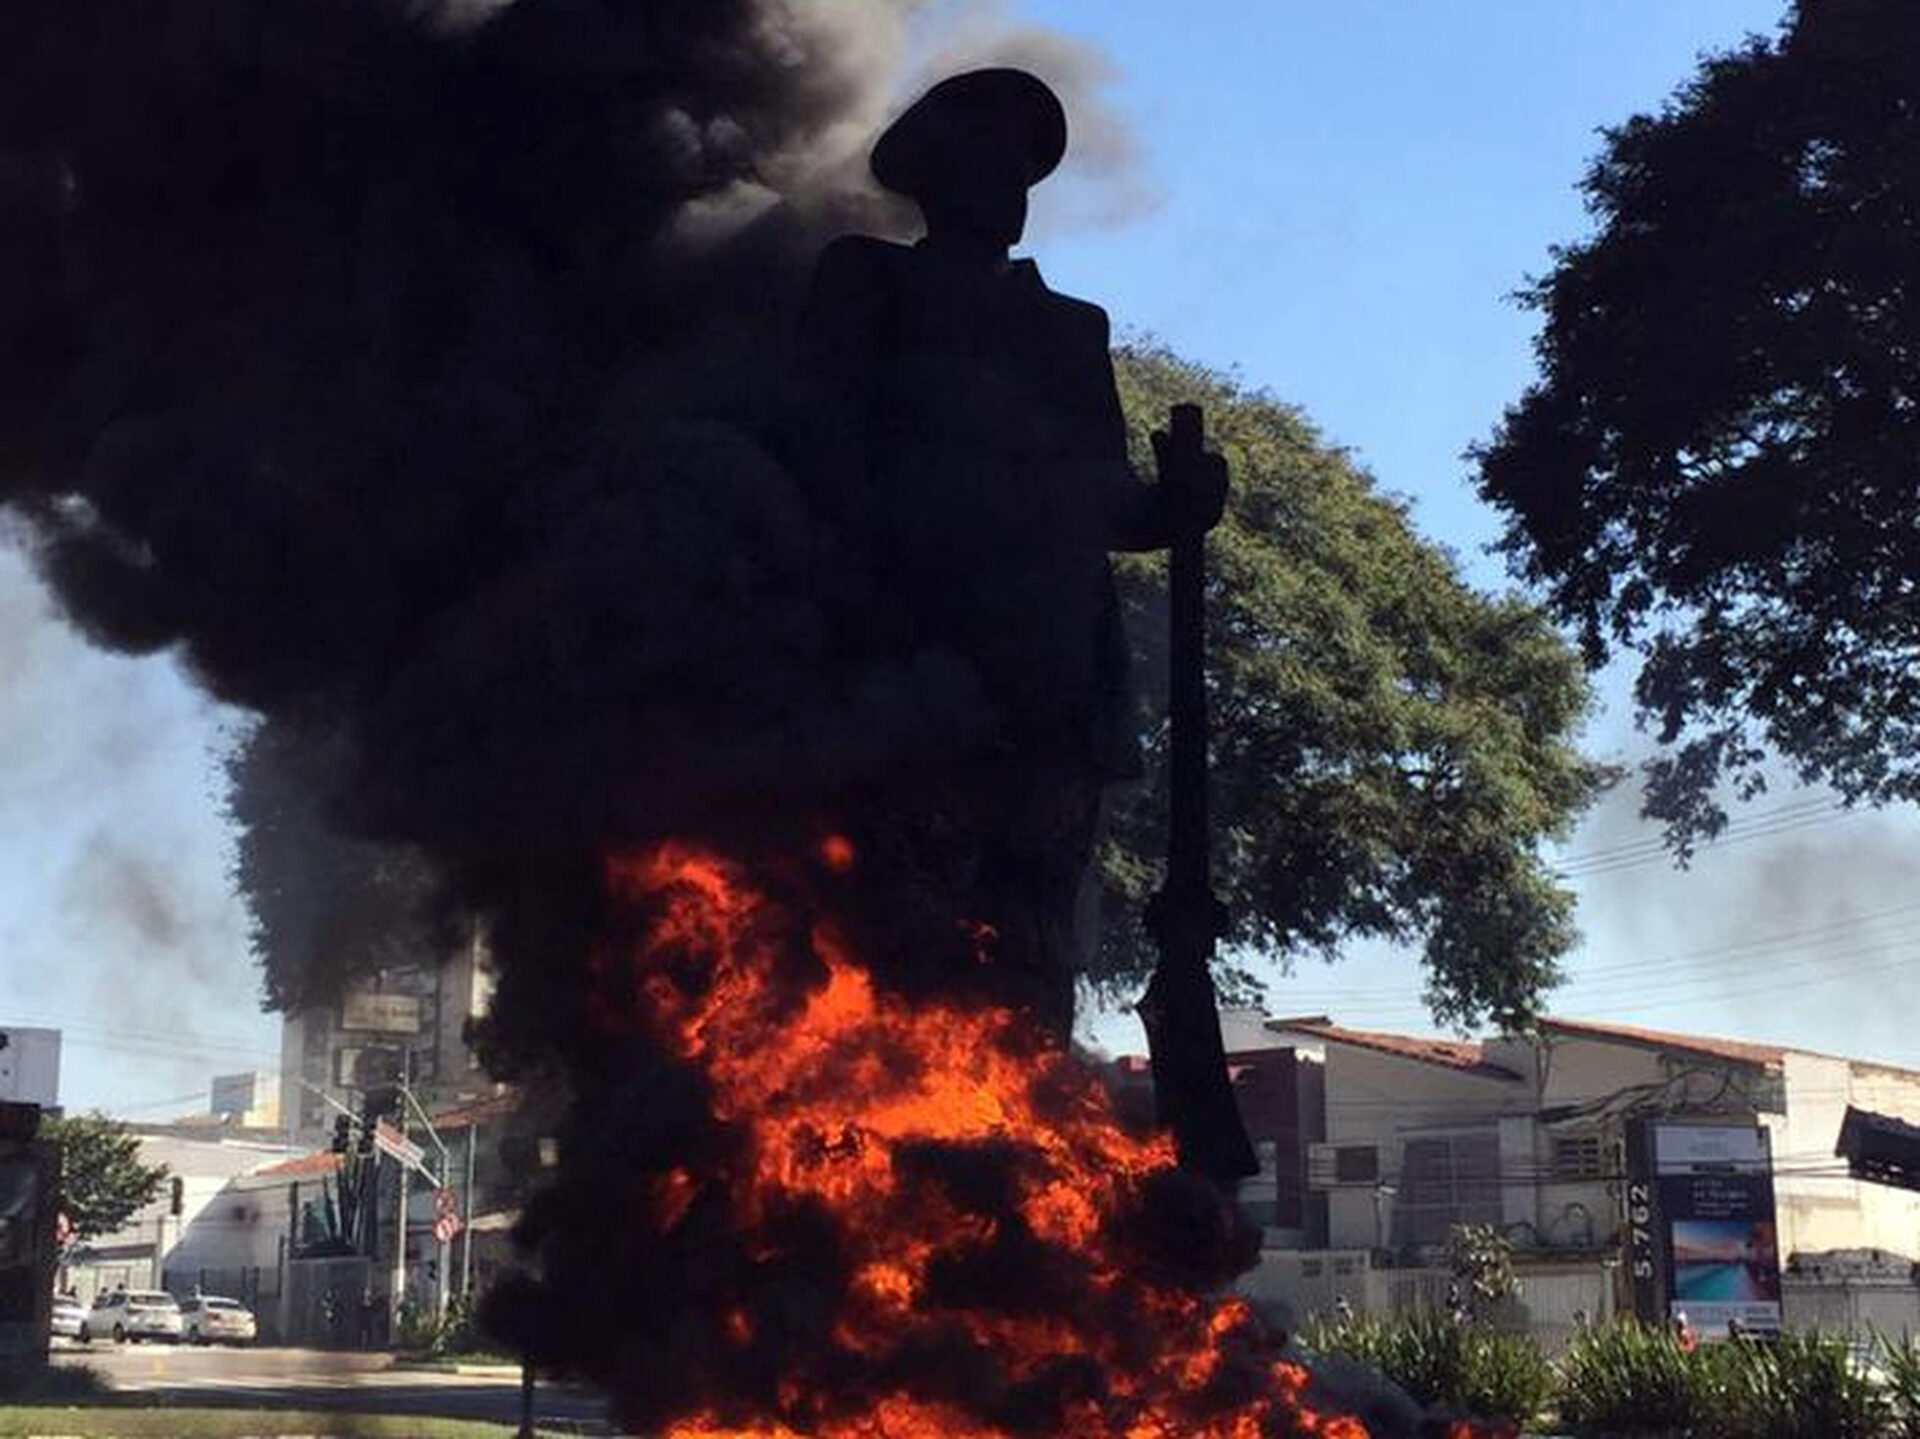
column 1550, row 1137
column 191, row 1217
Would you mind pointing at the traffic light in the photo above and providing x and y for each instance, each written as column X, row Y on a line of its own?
column 375, row 1105
column 176, row 1196
column 342, row 1133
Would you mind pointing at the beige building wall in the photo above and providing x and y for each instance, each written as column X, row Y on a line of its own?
column 1382, row 1100
column 1818, row 1206
column 1578, row 1155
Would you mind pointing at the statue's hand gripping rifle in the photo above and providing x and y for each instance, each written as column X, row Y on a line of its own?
column 1192, row 1091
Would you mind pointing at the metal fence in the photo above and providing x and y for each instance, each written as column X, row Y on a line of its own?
column 336, row 1303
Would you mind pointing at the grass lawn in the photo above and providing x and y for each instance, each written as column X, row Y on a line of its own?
column 113, row 1421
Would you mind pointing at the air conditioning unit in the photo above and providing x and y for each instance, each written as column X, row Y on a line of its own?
column 1342, row 1166
column 1320, row 1166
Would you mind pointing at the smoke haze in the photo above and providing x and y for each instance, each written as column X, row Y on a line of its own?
column 411, row 373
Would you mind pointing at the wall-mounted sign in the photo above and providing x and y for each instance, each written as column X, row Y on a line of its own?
column 1684, row 1148
column 1646, row 1242
column 380, row 1012
column 1699, row 1222
column 1723, row 1249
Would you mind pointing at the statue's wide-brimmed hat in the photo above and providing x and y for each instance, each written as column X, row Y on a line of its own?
column 978, row 107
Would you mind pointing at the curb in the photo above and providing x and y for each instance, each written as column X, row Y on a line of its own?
column 454, row 1366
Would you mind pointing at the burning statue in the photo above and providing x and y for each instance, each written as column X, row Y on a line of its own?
column 958, row 426
column 370, row 358
column 873, row 1191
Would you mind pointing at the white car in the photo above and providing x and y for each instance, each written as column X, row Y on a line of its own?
column 127, row 1314
column 210, row 1319
column 69, row 1316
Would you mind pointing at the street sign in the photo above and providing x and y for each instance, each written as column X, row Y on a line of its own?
column 391, row 1141
column 445, row 1228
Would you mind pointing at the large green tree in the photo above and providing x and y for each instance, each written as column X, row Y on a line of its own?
column 1391, row 747
column 1719, row 466
column 102, row 1181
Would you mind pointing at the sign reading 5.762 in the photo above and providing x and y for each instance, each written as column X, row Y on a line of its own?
column 1643, row 1246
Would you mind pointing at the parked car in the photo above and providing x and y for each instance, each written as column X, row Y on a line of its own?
column 69, row 1316
column 210, row 1319
column 135, row 1314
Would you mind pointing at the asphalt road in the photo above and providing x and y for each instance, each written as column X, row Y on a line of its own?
column 321, row 1379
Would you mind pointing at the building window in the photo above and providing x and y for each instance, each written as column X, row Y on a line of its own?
column 1445, row 1180
column 1257, row 1193
column 1577, row 1156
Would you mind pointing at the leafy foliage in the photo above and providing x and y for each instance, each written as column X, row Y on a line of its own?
column 424, row 1331
column 1390, row 747
column 1628, row 1379
column 1479, row 1371
column 1481, row 1258
column 102, row 1181
column 1801, row 1386
column 1899, row 1357
column 1715, row 466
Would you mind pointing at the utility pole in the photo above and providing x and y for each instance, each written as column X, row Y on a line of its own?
column 466, row 1216
column 444, row 1253
column 398, row 1291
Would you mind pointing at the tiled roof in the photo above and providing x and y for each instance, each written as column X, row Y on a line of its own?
column 1464, row 1056
column 1764, row 1056
column 305, row 1166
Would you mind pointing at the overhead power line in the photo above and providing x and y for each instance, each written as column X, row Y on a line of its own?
column 1654, row 850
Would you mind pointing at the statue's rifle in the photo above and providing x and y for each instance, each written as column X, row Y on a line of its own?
column 1193, row 1093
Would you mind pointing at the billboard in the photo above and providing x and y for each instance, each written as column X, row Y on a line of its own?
column 380, row 1012
column 1715, row 1205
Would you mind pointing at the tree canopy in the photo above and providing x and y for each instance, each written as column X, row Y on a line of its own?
column 1390, row 747
column 1716, row 466
column 102, row 1181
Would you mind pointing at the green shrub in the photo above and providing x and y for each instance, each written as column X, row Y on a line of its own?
column 459, row 1330
column 1416, row 1356
column 1629, row 1379
column 1437, row 1361
column 1801, row 1386
column 415, row 1328
column 1506, row 1377
column 1900, row 1368
column 422, row 1331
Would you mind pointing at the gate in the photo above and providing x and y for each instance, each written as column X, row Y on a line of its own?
column 338, row 1303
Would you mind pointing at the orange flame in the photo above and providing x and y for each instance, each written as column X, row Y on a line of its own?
column 832, row 1088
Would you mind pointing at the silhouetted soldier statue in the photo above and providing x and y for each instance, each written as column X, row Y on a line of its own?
column 960, row 430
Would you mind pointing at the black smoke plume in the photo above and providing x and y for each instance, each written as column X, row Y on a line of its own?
column 413, row 370
column 404, row 372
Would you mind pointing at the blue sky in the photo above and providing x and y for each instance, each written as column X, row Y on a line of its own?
column 1338, row 200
